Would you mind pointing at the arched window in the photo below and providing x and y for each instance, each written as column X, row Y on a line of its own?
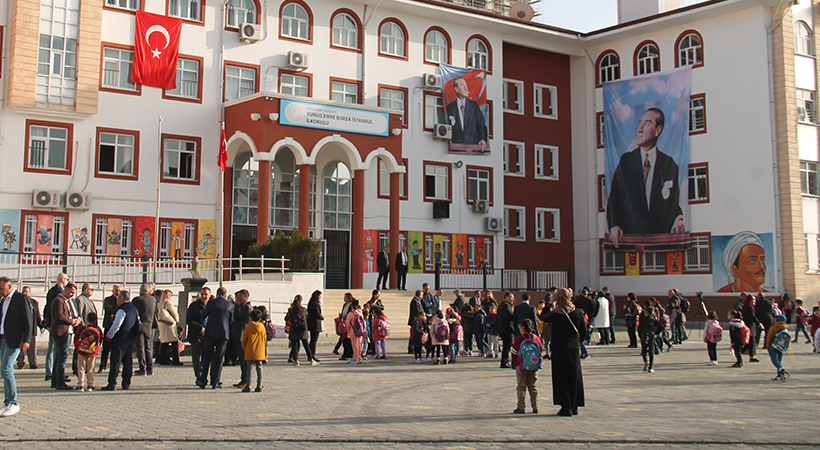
column 345, row 31
column 245, row 189
column 803, row 39
column 295, row 22
column 647, row 59
column 336, row 192
column 436, row 47
column 240, row 11
column 392, row 40
column 609, row 67
column 478, row 54
column 690, row 49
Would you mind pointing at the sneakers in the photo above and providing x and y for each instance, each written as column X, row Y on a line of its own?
column 89, row 389
column 246, row 389
column 518, row 411
column 712, row 363
column 314, row 363
column 651, row 370
column 754, row 360
column 258, row 389
column 419, row 360
column 737, row 364
column 10, row 410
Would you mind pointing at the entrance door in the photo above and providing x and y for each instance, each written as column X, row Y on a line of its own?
column 337, row 259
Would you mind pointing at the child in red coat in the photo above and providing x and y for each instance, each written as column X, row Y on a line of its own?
column 381, row 329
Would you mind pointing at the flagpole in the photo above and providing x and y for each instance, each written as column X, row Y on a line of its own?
column 159, row 180
column 221, row 245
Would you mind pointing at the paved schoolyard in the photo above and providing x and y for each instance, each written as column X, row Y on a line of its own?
column 396, row 403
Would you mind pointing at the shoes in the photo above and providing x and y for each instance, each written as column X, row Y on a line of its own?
column 784, row 375
column 737, row 364
column 645, row 367
column 296, row 363
column 518, row 411
column 535, row 411
column 246, row 389
column 317, row 360
column 240, row 385
column 808, row 341
column 754, row 360
column 89, row 389
column 100, row 370
column 139, row 373
column 10, row 410
column 437, row 362
column 67, row 380
column 343, row 359
column 20, row 366
column 648, row 371
column 314, row 363
column 335, row 352
column 200, row 384
column 668, row 349
column 258, row 389
column 444, row 362
column 125, row 388
column 48, row 377
column 574, row 411
column 505, row 366
column 108, row 387
column 631, row 346
column 564, row 412
column 149, row 373
column 79, row 388
column 290, row 360
column 216, row 386
column 64, row 387
column 585, row 356
column 419, row 361
column 712, row 363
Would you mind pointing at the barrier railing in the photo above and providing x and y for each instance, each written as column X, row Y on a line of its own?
column 502, row 279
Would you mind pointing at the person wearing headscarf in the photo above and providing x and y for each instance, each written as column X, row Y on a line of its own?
column 568, row 330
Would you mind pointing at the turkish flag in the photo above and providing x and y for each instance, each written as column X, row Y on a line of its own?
column 222, row 162
column 156, row 49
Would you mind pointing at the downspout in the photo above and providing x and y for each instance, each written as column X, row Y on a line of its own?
column 364, row 44
column 594, row 127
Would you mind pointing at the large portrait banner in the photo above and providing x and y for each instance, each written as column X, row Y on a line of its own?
column 646, row 151
column 464, row 93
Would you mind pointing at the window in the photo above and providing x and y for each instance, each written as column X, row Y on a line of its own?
column 56, row 81
column 699, row 183
column 180, row 159
column 600, row 122
column 337, row 196
column 612, row 262
column 817, row 247
column 697, row 114
column 188, row 86
column 689, row 50
column 113, row 232
column 809, row 178
column 436, row 47
column 239, row 12
column 392, row 40
column 513, row 96
column 545, row 99
column 547, row 225
column 345, row 31
column 176, row 239
column 601, row 193
column 49, row 147
column 433, row 111
column 239, row 81
column 806, row 110
column 803, row 39
column 436, row 181
column 653, row 262
column 117, row 66
column 697, row 258
column 394, row 98
column 295, row 22
column 186, row 9
column 284, row 199
column 44, row 231
column 384, row 181
column 245, row 190
column 647, row 59
column 609, row 67
column 513, row 158
column 478, row 54
column 344, row 92
column 514, row 223
column 479, row 184
column 294, row 85
column 546, row 162
column 131, row 5
column 117, row 153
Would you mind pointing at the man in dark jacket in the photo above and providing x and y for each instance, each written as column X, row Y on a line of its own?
column 36, row 325
column 110, row 307
column 524, row 310
column 195, row 319
column 415, row 307
column 383, row 264
column 62, row 280
column 61, row 321
column 124, row 331
column 504, row 326
column 459, row 301
column 764, row 313
column 587, row 305
column 241, row 319
column 428, row 302
column 146, row 305
column 219, row 313
column 15, row 336
column 402, row 263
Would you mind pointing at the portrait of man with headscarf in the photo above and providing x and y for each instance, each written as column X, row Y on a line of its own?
column 744, row 260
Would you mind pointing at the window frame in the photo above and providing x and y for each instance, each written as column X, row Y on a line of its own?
column 808, row 171
column 638, row 49
column 103, row 88
column 692, row 98
column 695, row 166
column 553, row 104
column 490, row 118
column 522, row 223
column 64, row 234
column 804, row 101
column 347, row 81
column 308, row 11
column 397, row 22
column 424, row 112
column 448, row 41
column 490, row 182
column 505, row 91
column 69, row 151
column 685, row 268
column 802, row 25
column 614, row 270
column 119, row 9
column 359, row 36
column 553, row 151
column 489, row 69
column 601, row 193
column 197, row 162
column 598, row 81
column 404, row 119
column 540, row 215
column 236, row 28
column 158, row 236
column 599, row 129
column 200, row 62
column 93, row 237
column 307, row 75
column 241, row 65
column 520, row 158
column 200, row 22
column 135, row 157
column 402, row 180
column 449, row 168
column 656, row 269
column 678, row 49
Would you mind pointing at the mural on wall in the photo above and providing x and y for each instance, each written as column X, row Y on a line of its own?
column 177, row 250
column 113, row 238
column 464, row 93
column 633, row 264
column 480, row 258
column 739, row 262
column 646, row 148
column 45, row 228
column 371, row 244
column 205, row 243
column 674, row 263
column 79, row 239
column 438, row 254
column 459, row 246
column 10, row 229
column 144, row 236
column 415, row 245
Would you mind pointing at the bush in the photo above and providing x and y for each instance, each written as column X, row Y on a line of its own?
column 302, row 251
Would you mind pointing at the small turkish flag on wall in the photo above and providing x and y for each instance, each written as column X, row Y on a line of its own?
column 156, row 49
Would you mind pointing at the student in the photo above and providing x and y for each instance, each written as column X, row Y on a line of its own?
column 492, row 335
column 479, row 330
column 419, row 332
column 468, row 323
column 440, row 337
column 381, row 329
column 775, row 354
column 739, row 334
column 648, row 329
column 712, row 334
column 428, row 343
column 254, row 345
column 456, row 332
column 526, row 359
column 814, row 322
column 87, row 342
column 800, row 315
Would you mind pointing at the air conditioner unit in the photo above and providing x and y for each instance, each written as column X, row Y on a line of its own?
column 250, row 32
column 493, row 224
column 78, row 200
column 45, row 199
column 481, row 206
column 441, row 210
column 297, row 60
column 443, row 132
column 431, row 82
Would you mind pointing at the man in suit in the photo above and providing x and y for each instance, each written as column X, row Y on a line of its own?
column 383, row 264
column 62, row 280
column 195, row 319
column 36, row 326
column 475, row 300
column 645, row 193
column 15, row 336
column 524, row 310
column 241, row 319
column 428, row 302
column 466, row 117
column 415, row 307
column 504, row 325
column 110, row 306
column 126, row 328
column 401, row 269
column 61, row 322
column 219, row 315
column 459, row 301
column 146, row 305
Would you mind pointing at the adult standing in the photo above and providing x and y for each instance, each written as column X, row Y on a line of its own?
column 475, row 300
column 612, row 312
column 61, row 320
column 344, row 342
column 632, row 310
column 195, row 319
column 15, row 337
column 62, row 280
column 764, row 312
column 401, row 269
column 126, row 328
column 146, row 305
column 587, row 307
column 787, row 306
column 751, row 321
column 314, row 321
column 84, row 303
column 241, row 319
column 524, row 310
column 169, row 329
column 297, row 316
column 36, row 327
column 504, row 325
column 219, row 315
column 601, row 321
column 568, row 330
column 383, row 264
column 110, row 307
column 415, row 307
column 428, row 302
column 740, row 302
column 458, row 303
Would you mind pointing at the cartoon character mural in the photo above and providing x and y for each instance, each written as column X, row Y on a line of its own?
column 144, row 237
column 9, row 237
column 79, row 239
column 370, row 237
column 416, row 252
column 740, row 262
column 10, row 219
column 206, row 242
column 459, row 260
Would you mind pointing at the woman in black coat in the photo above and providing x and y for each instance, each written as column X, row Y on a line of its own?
column 297, row 316
column 314, row 320
column 568, row 330
column 751, row 321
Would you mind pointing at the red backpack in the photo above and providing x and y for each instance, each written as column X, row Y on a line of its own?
column 87, row 341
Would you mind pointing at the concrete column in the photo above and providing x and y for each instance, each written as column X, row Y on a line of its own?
column 263, row 204
column 304, row 199
column 357, row 232
column 395, row 211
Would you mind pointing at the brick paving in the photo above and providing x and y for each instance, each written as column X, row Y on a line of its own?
column 396, row 403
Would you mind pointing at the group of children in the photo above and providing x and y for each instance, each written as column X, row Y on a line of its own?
column 446, row 335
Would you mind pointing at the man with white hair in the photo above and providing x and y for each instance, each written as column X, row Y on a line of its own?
column 744, row 260
column 146, row 305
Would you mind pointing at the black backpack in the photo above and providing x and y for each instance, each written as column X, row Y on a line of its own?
column 684, row 305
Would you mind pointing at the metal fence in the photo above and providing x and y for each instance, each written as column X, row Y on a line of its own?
column 502, row 279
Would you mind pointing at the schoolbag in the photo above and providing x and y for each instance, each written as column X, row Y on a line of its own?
column 442, row 332
column 384, row 327
column 87, row 341
column 667, row 323
column 781, row 341
column 456, row 333
column 530, row 353
column 684, row 305
column 270, row 330
column 360, row 326
column 715, row 333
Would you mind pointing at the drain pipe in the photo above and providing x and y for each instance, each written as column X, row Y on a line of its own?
column 595, row 165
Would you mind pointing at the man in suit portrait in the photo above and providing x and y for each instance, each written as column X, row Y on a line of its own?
column 466, row 117
column 401, row 269
column 219, row 315
column 645, row 193
column 15, row 337
column 383, row 264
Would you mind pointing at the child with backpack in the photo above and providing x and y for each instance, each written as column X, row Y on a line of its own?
column 381, row 329
column 492, row 335
column 87, row 342
column 469, row 324
column 813, row 322
column 440, row 337
column 712, row 334
column 648, row 330
column 739, row 334
column 479, row 330
column 456, row 332
column 777, row 342
column 800, row 314
column 254, row 345
column 428, row 343
column 526, row 360
column 419, row 334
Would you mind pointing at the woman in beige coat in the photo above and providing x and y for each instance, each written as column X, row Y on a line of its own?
column 169, row 329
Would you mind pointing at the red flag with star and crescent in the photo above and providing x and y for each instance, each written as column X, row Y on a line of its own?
column 156, row 49
column 222, row 162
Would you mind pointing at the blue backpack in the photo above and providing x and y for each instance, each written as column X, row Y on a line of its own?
column 530, row 354
column 781, row 341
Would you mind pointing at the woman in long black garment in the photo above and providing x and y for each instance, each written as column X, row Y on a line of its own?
column 568, row 330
